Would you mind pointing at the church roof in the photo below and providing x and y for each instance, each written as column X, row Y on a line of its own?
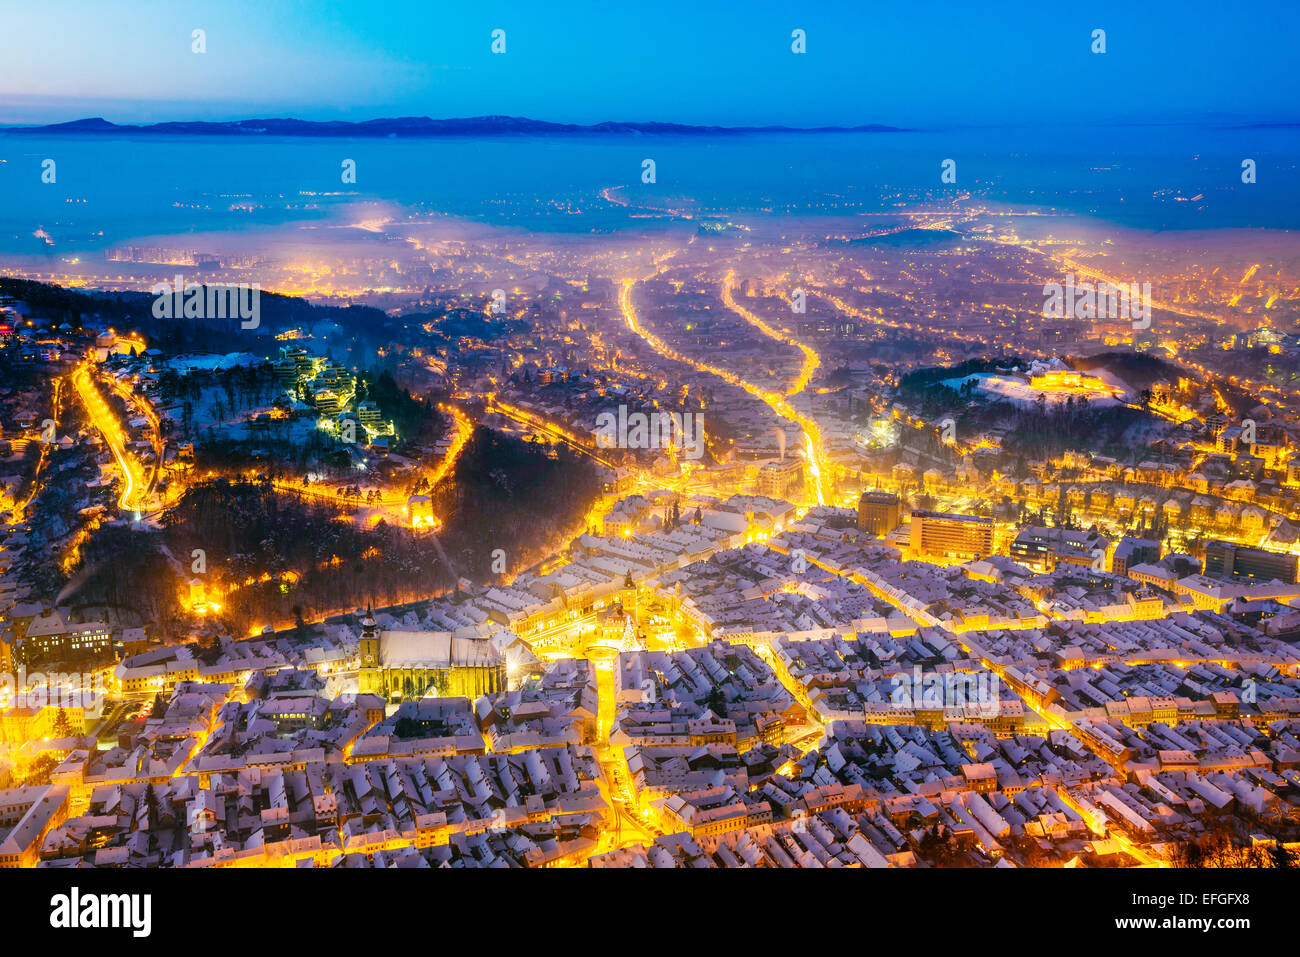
column 435, row 649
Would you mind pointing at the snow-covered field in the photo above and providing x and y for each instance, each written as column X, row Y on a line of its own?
column 1016, row 389
column 190, row 363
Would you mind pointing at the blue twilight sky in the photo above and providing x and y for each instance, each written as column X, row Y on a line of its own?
column 728, row 62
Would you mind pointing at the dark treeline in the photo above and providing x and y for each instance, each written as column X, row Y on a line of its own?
column 271, row 558
column 1137, row 369
column 67, row 305
column 924, row 388
column 125, row 570
column 513, row 495
column 1045, row 431
column 273, row 455
column 415, row 421
column 317, row 564
column 266, row 557
column 366, row 326
column 461, row 323
column 1041, row 431
column 243, row 387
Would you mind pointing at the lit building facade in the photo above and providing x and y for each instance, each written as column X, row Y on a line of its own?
column 777, row 479
column 1227, row 559
column 947, row 535
column 879, row 513
column 411, row 664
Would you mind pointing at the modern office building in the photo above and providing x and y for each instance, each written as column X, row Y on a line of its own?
column 878, row 513
column 946, row 535
column 369, row 414
column 1225, row 559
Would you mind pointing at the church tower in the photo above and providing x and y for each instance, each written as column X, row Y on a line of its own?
column 369, row 678
column 627, row 597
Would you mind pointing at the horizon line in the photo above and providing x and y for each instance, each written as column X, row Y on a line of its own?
column 93, row 124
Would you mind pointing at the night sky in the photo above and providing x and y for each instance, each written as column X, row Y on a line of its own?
column 909, row 64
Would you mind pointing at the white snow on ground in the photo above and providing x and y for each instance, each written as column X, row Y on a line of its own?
column 1016, row 389
column 1108, row 377
column 189, row 363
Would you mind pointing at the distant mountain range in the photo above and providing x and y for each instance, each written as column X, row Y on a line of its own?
column 424, row 126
